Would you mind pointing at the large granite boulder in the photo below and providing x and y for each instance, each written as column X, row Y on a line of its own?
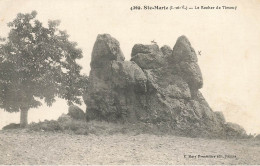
column 76, row 113
column 106, row 49
column 158, row 86
column 166, row 50
column 147, row 56
column 183, row 51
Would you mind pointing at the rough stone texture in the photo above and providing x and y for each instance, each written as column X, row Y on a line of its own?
column 166, row 50
column 183, row 51
column 106, row 49
column 220, row 116
column 147, row 56
column 158, row 86
column 234, row 130
column 76, row 113
column 64, row 118
column 145, row 49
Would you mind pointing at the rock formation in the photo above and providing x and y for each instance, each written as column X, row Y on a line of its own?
column 158, row 86
column 76, row 113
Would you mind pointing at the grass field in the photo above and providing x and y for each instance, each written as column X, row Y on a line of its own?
column 29, row 147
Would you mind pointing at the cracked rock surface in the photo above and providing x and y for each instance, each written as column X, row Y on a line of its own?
column 158, row 86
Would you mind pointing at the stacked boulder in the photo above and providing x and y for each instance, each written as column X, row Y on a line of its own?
column 158, row 86
column 76, row 113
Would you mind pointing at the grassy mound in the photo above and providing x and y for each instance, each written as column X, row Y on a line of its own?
column 85, row 128
column 11, row 126
column 66, row 124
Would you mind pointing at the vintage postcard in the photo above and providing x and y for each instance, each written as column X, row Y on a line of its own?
column 130, row 82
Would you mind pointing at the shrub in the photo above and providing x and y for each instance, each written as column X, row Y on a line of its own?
column 61, row 125
column 47, row 125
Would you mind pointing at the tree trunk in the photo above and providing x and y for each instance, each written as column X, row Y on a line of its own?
column 24, row 117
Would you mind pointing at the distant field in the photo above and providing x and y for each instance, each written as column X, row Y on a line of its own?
column 23, row 147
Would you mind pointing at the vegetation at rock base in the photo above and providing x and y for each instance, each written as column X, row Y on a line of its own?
column 66, row 124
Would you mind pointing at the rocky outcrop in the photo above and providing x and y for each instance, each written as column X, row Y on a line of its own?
column 166, row 50
column 147, row 56
column 158, row 86
column 234, row 130
column 76, row 113
column 64, row 118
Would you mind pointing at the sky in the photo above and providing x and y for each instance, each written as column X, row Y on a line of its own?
column 229, row 41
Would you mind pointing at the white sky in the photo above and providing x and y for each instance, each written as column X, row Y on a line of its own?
column 229, row 41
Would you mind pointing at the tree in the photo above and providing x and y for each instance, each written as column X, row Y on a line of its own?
column 38, row 62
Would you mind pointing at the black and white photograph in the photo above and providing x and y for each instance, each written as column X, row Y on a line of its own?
column 130, row 82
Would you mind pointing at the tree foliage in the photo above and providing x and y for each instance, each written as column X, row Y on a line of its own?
column 38, row 62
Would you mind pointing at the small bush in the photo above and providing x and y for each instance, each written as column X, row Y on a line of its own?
column 47, row 125
column 61, row 125
column 73, row 125
column 81, row 131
